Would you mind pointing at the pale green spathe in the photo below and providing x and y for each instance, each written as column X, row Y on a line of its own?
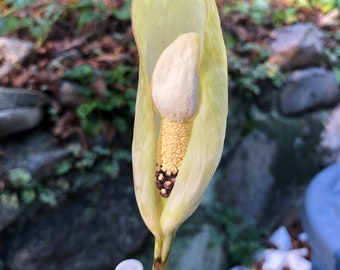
column 156, row 24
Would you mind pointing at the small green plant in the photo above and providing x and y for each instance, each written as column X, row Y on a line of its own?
column 110, row 106
column 38, row 25
column 105, row 158
column 20, row 178
column 243, row 238
column 324, row 5
column 97, row 161
column 258, row 10
column 25, row 190
column 38, row 18
column 288, row 15
column 124, row 13
column 10, row 199
column 89, row 12
column 249, row 67
column 264, row 12
column 331, row 54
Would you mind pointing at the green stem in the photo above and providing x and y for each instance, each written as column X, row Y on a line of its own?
column 162, row 253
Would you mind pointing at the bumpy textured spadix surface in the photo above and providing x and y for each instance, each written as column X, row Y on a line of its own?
column 173, row 141
column 157, row 24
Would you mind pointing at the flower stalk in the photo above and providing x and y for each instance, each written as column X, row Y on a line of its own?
column 162, row 253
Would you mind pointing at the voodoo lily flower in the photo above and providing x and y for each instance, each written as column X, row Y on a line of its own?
column 181, row 111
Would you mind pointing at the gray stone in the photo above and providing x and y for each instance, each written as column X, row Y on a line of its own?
column 247, row 178
column 69, row 94
column 37, row 153
column 295, row 161
column 14, row 98
column 17, row 120
column 308, row 89
column 330, row 139
column 64, row 57
column 8, row 215
column 296, row 45
column 13, row 51
column 263, row 176
column 201, row 251
column 94, row 226
column 92, row 230
column 42, row 165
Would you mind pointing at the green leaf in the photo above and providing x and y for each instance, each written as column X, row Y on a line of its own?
column 101, row 150
column 64, row 167
column 20, row 178
column 8, row 24
column 9, row 199
column 336, row 71
column 28, row 196
column 79, row 73
column 20, row 4
column 85, row 4
column 48, row 196
column 121, row 124
column 123, row 13
column 91, row 127
column 86, row 17
column 85, row 109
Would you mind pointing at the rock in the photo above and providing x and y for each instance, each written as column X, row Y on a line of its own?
column 69, row 94
column 42, row 165
column 13, row 51
column 92, row 230
column 199, row 252
column 65, row 57
column 308, row 89
column 20, row 110
column 265, row 175
column 247, row 178
column 8, row 215
column 296, row 46
column 15, row 98
column 17, row 120
column 295, row 161
column 35, row 153
column 330, row 139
